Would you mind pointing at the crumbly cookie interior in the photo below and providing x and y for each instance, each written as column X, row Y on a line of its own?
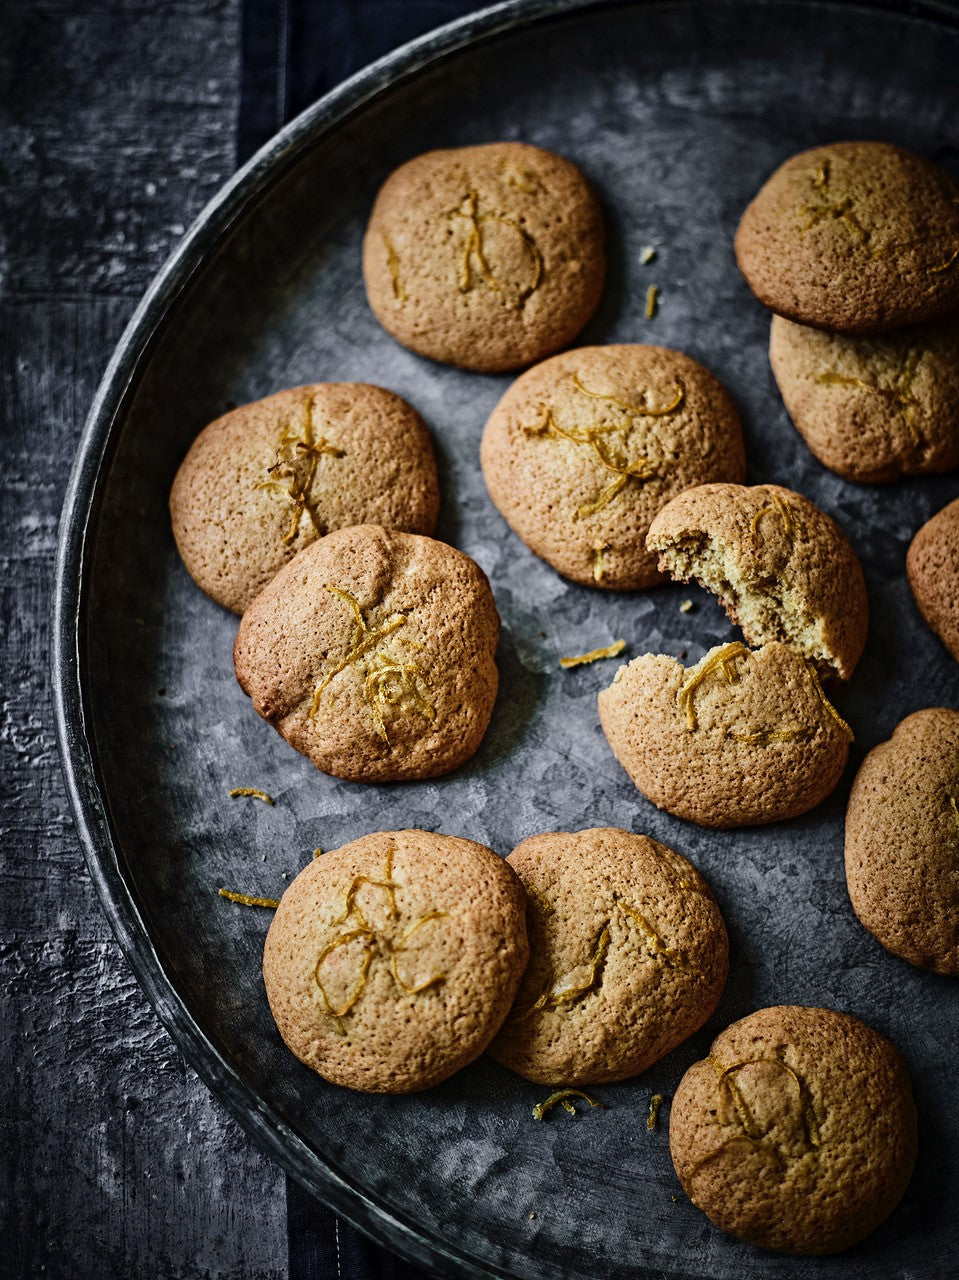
column 760, row 604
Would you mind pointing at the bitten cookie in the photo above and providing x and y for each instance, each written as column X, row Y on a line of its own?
column 798, row 1132
column 781, row 568
column 372, row 653
column 856, row 236
column 485, row 257
column 739, row 739
column 583, row 451
column 902, row 841
column 629, row 956
column 391, row 962
column 932, row 567
column 876, row 408
column 266, row 480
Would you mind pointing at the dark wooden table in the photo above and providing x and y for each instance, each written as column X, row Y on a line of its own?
column 119, row 119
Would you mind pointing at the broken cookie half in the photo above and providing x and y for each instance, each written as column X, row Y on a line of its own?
column 742, row 738
column 781, row 568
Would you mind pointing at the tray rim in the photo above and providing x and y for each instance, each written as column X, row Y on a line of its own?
column 80, row 513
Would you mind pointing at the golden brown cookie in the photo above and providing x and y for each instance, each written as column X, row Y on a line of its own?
column 485, row 257
column 932, row 567
column 583, row 451
column 391, row 962
column 872, row 408
column 629, row 956
column 739, row 739
column 902, row 841
column 781, row 568
column 372, row 653
column 266, row 480
column 798, row 1132
column 855, row 236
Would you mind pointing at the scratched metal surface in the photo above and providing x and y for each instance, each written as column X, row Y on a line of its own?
column 676, row 112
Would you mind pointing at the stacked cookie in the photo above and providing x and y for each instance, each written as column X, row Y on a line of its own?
column 854, row 247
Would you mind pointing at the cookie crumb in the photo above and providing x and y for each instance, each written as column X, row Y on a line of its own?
column 253, row 793
column 686, row 606
column 611, row 651
column 565, row 1098
column 647, row 254
column 652, row 301
column 655, row 1102
column 247, row 900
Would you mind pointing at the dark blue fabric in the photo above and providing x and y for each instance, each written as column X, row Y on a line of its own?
column 293, row 52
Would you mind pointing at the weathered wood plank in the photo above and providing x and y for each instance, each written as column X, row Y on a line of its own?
column 116, row 1160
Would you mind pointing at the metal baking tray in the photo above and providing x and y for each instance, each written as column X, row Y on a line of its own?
column 677, row 111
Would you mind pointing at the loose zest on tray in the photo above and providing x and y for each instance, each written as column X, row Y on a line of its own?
column 610, row 651
column 566, row 1099
column 253, row 793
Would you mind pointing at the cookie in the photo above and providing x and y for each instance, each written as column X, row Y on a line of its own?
column 583, row 451
column 781, row 568
column 855, row 236
column 932, row 567
column 741, row 738
column 902, row 841
column 485, row 257
column 876, row 408
column 629, row 956
column 372, row 653
column 798, row 1132
column 391, row 962
column 268, row 479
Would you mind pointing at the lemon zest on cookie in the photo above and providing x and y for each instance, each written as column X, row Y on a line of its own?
column 599, row 560
column 839, row 210
column 778, row 508
column 744, row 1113
column 762, row 737
column 474, row 249
column 655, row 943
column 247, row 899
column 610, row 651
column 377, row 943
column 393, row 262
column 652, row 301
column 655, row 1102
column 401, row 946
column 955, row 808
column 566, row 1099
column 899, row 392
column 722, row 662
column 253, row 793
column 564, row 991
column 637, row 410
column 297, row 459
column 830, row 709
column 390, row 681
column 944, row 266
column 624, row 470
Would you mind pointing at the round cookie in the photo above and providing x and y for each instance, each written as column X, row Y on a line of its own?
column 583, row 451
column 372, row 653
column 861, row 237
column 629, row 956
column 902, row 841
column 742, row 738
column 872, row 409
column 268, row 479
column 391, row 962
column 781, row 568
column 798, row 1132
column 932, row 567
column 485, row 257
